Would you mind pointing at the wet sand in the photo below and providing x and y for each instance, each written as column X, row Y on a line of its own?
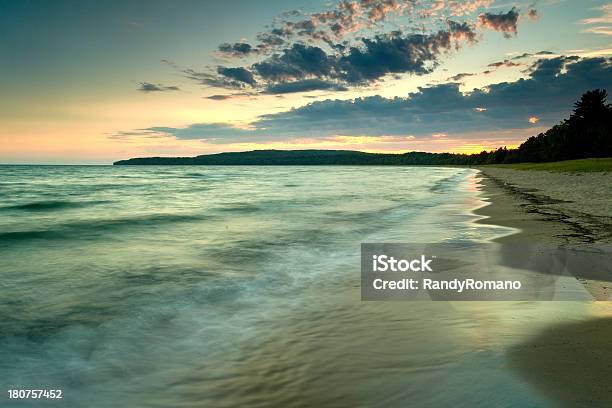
column 572, row 363
column 569, row 362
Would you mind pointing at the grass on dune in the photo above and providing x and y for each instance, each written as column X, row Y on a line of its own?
column 585, row 165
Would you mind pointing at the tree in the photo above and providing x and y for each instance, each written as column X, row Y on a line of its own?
column 591, row 106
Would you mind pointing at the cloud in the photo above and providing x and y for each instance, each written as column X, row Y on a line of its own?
column 326, row 46
column 601, row 25
column 140, row 134
column 508, row 63
column 223, row 97
column 504, row 22
column 529, row 55
column 548, row 68
column 548, row 94
column 459, row 8
column 149, row 87
column 395, row 53
column 203, row 131
column 297, row 62
column 213, row 80
column 504, row 63
column 603, row 30
column 345, row 18
column 304, row 86
column 239, row 74
column 311, row 67
column 461, row 76
column 218, row 97
column 605, row 18
column 461, row 31
column 236, row 49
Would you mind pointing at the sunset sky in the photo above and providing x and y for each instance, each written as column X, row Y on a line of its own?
column 94, row 82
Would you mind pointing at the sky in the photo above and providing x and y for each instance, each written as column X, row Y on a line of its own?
column 95, row 82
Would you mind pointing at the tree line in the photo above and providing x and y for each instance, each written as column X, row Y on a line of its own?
column 586, row 133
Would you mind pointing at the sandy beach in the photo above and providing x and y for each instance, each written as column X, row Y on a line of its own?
column 570, row 362
column 551, row 206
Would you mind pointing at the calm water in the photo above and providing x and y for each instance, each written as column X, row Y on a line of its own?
column 239, row 286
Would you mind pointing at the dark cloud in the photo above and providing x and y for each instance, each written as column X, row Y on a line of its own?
column 301, row 48
column 549, row 68
column 297, row 62
column 237, row 49
column 218, row 97
column 149, row 87
column 522, row 56
column 554, row 84
column 204, row 131
column 299, row 65
column 237, row 74
column 273, row 39
column 224, row 77
column 504, row 63
column 223, row 97
column 398, row 53
column 462, row 31
column 213, row 80
column 460, row 77
column 302, row 28
column 304, row 86
column 504, row 22
column 549, row 93
column 393, row 53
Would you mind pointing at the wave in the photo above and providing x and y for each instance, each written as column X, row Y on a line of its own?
column 50, row 205
column 446, row 184
column 210, row 177
column 95, row 228
column 122, row 286
column 241, row 209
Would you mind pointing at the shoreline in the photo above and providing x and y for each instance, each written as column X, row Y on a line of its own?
column 507, row 207
column 570, row 362
column 540, row 219
column 563, row 208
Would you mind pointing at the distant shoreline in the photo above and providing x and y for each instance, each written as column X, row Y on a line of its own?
column 309, row 157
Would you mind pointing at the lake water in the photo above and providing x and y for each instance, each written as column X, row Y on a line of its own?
column 239, row 286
